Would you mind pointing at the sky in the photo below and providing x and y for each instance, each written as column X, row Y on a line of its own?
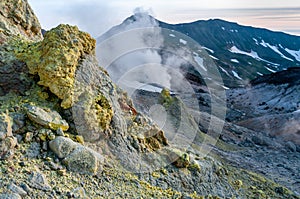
column 97, row 16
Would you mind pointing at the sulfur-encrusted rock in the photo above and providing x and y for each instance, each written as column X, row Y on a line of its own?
column 55, row 59
column 178, row 158
column 17, row 18
column 96, row 100
column 77, row 158
column 47, row 118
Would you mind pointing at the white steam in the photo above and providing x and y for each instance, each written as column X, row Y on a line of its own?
column 130, row 52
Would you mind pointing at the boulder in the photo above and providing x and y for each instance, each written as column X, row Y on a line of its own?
column 62, row 146
column 82, row 160
column 76, row 157
column 17, row 189
column 48, row 118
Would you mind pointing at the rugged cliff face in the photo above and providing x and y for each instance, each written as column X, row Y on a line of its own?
column 17, row 18
column 67, row 131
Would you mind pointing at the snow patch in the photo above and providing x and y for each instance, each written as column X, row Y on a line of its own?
column 275, row 49
column 259, row 73
column 269, row 69
column 183, row 41
column 224, row 71
column 208, row 49
column 294, row 53
column 172, row 35
column 226, row 88
column 138, row 85
column 256, row 42
column 252, row 54
column 235, row 60
column 213, row 57
column 236, row 75
column 199, row 61
column 223, row 28
column 264, row 44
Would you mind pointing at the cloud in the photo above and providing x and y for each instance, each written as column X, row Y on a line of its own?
column 97, row 16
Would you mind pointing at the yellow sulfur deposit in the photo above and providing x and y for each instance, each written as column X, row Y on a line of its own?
column 56, row 58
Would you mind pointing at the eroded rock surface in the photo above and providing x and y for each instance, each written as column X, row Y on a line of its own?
column 17, row 18
column 56, row 58
column 76, row 157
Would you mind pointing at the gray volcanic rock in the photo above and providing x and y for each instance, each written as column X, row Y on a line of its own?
column 270, row 104
column 48, row 118
column 39, row 181
column 17, row 18
column 75, row 156
column 5, row 126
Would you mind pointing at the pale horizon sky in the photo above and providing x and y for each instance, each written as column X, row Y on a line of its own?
column 97, row 16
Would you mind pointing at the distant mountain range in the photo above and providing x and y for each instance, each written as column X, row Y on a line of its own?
column 241, row 53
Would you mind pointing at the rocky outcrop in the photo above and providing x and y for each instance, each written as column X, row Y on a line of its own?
column 17, row 19
column 13, row 73
column 270, row 105
column 100, row 117
column 56, row 58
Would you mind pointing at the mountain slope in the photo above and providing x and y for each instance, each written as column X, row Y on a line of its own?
column 246, row 50
column 241, row 53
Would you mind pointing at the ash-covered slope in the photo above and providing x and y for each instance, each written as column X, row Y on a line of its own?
column 269, row 104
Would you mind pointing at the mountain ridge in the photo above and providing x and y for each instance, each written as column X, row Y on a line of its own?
column 241, row 53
